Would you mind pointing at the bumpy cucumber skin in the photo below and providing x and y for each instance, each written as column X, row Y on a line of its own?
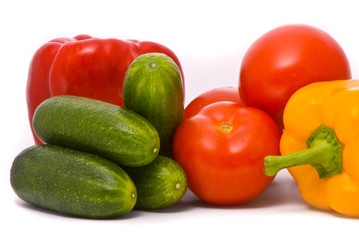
column 160, row 184
column 153, row 88
column 72, row 182
column 90, row 125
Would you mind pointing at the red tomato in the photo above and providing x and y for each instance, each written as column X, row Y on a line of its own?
column 222, row 148
column 286, row 59
column 211, row 96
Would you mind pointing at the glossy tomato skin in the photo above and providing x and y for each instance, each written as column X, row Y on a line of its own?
column 222, row 148
column 229, row 93
column 286, row 59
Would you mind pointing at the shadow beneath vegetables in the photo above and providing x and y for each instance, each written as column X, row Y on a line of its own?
column 187, row 202
column 23, row 204
column 283, row 190
column 331, row 213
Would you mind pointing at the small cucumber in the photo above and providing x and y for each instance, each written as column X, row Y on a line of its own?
column 153, row 88
column 159, row 184
column 72, row 182
column 90, row 125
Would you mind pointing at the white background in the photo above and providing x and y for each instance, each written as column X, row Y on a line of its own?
column 210, row 39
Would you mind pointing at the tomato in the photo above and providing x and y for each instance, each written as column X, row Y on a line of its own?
column 222, row 150
column 286, row 59
column 211, row 96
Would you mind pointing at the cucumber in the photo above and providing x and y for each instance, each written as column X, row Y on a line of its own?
column 72, row 182
column 90, row 125
column 153, row 88
column 159, row 184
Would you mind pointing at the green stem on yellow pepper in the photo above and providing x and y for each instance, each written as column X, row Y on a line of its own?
column 323, row 153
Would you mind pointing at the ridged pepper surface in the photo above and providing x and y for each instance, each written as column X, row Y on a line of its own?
column 84, row 66
column 320, row 145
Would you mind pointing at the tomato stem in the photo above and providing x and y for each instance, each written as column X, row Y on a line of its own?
column 323, row 153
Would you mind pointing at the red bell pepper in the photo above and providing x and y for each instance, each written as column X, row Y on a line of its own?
column 84, row 66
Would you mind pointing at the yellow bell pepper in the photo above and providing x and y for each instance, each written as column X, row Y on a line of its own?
column 320, row 145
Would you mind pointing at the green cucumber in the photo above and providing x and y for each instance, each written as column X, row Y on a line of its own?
column 153, row 88
column 72, row 182
column 90, row 125
column 159, row 184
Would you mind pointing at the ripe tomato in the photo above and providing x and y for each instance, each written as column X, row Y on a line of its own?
column 286, row 59
column 211, row 96
column 222, row 150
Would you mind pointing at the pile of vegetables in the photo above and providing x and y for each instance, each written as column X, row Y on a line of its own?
column 294, row 108
column 100, row 160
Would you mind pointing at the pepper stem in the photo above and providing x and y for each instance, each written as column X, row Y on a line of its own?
column 323, row 153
